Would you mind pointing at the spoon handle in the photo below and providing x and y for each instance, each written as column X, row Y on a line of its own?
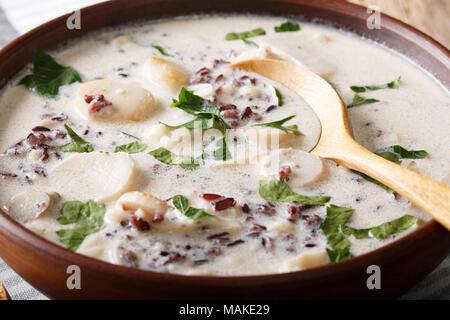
column 427, row 194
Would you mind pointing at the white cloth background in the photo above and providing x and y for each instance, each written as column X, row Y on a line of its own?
column 24, row 15
column 20, row 16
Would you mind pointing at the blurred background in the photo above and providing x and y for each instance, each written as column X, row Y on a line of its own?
column 429, row 16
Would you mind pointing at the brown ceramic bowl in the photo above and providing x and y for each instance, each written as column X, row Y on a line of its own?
column 403, row 262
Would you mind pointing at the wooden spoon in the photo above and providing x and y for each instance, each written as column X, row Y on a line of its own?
column 336, row 142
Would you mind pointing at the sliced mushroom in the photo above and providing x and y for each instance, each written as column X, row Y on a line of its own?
column 123, row 41
column 112, row 100
column 29, row 205
column 167, row 74
column 149, row 205
column 149, row 208
column 309, row 260
column 296, row 167
column 94, row 246
column 94, row 175
column 183, row 141
column 153, row 134
column 204, row 90
column 282, row 227
column 262, row 52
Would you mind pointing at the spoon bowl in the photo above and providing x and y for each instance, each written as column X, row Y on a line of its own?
column 336, row 142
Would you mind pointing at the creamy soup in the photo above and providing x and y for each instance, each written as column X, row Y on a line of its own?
column 140, row 147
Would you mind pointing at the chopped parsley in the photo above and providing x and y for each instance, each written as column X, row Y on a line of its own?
column 390, row 85
column 287, row 27
column 48, row 76
column 87, row 217
column 161, row 50
column 78, row 144
column 245, row 35
column 182, row 204
column 359, row 101
column 165, row 156
column 279, row 125
column 277, row 190
column 335, row 229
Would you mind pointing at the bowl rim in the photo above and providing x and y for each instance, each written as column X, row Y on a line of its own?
column 54, row 251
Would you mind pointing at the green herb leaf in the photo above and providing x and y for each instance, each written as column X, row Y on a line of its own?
column 276, row 190
column 336, row 217
column 374, row 181
column 130, row 135
column 391, row 85
column 389, row 156
column 383, row 230
column 78, row 145
column 279, row 125
column 359, row 101
column 204, row 121
column 208, row 117
column 407, row 154
column 161, row 50
column 167, row 157
column 48, row 76
column 201, row 122
column 192, row 103
column 336, row 231
column 287, row 26
column 279, row 97
column 133, row 147
column 88, row 218
column 245, row 35
column 222, row 153
column 250, row 43
column 338, row 245
column 395, row 154
column 182, row 204
column 339, row 254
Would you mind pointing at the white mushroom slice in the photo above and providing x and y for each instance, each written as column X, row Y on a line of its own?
column 183, row 141
column 204, row 90
column 262, row 52
column 282, row 227
column 301, row 168
column 93, row 246
column 153, row 134
column 112, row 100
column 116, row 215
column 29, row 205
column 147, row 205
column 250, row 91
column 167, row 74
column 309, row 260
column 94, row 175
column 125, row 40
